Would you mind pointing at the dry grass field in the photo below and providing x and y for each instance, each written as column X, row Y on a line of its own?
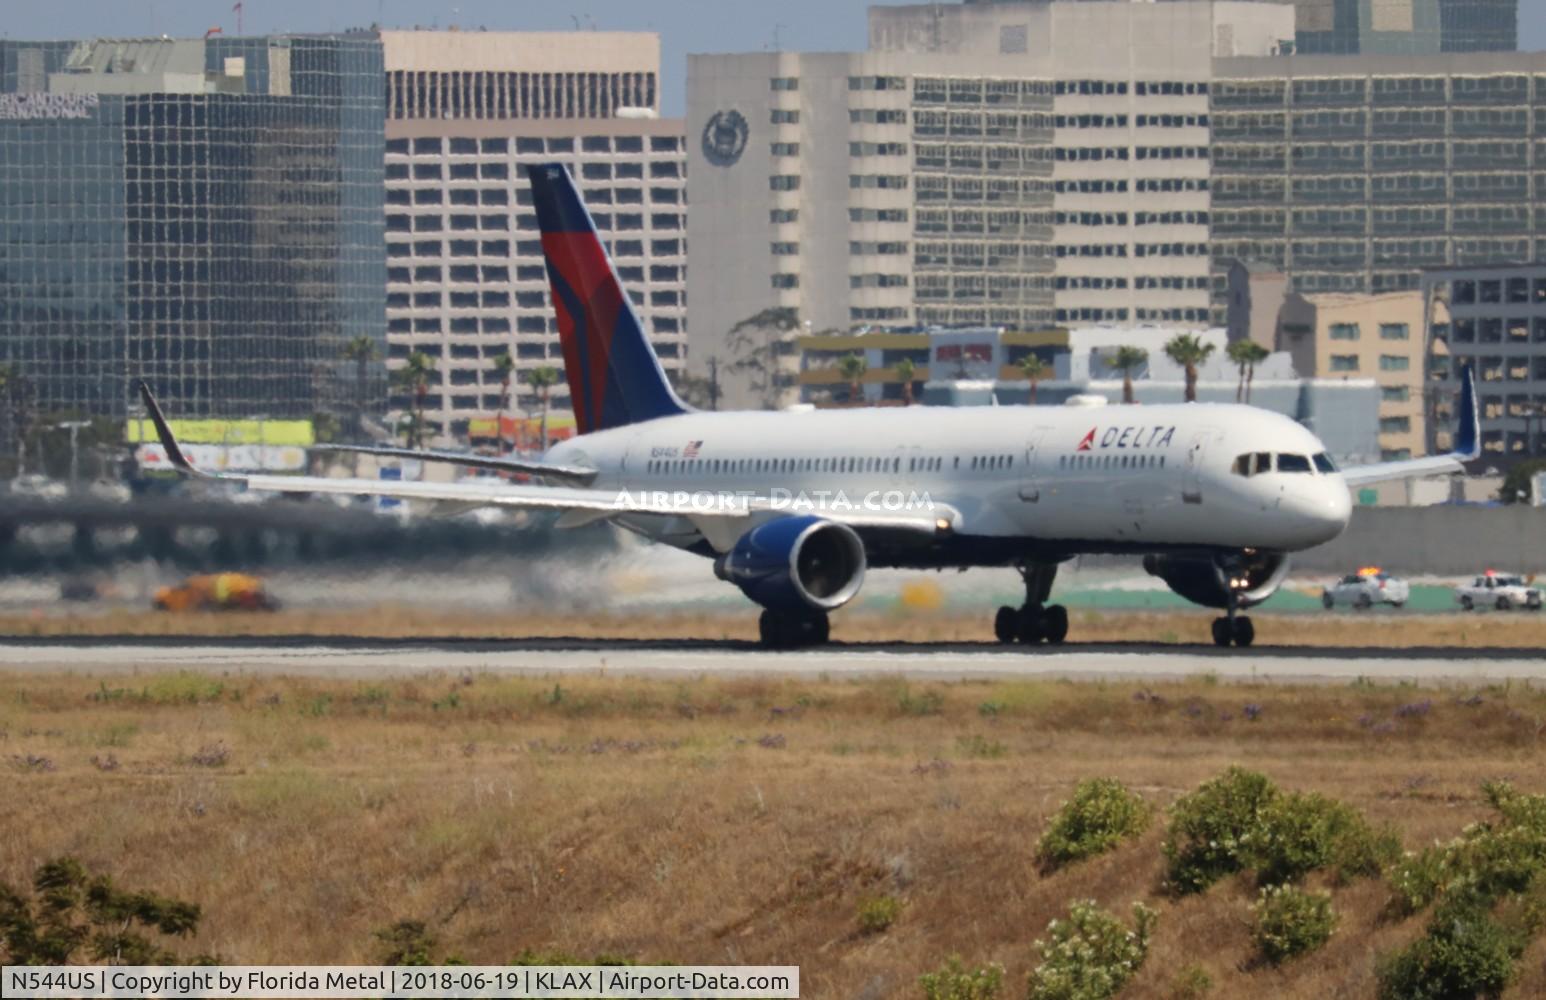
column 1516, row 630
column 717, row 821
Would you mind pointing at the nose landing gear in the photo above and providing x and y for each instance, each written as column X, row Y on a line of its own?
column 1234, row 628
column 1036, row 621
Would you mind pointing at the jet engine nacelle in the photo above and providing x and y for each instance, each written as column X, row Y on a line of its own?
column 796, row 564
column 1253, row 576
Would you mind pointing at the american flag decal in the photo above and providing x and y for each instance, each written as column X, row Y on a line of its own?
column 691, row 451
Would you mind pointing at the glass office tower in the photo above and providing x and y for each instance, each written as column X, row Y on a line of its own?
column 205, row 215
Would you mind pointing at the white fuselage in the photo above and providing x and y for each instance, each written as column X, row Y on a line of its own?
column 1085, row 478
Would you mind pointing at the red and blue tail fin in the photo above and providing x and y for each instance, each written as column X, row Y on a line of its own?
column 614, row 376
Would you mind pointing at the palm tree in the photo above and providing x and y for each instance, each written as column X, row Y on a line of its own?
column 853, row 368
column 1034, row 369
column 1125, row 360
column 414, row 376
column 542, row 379
column 906, row 371
column 504, row 364
column 1188, row 352
column 362, row 350
column 1246, row 354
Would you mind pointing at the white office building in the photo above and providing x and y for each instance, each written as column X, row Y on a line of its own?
column 466, row 111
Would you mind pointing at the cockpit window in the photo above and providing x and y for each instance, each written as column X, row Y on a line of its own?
column 1293, row 463
column 1252, row 464
column 1323, row 463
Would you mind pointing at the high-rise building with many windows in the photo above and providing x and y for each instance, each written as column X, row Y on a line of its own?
column 203, row 214
column 1353, row 175
column 979, row 165
column 467, row 112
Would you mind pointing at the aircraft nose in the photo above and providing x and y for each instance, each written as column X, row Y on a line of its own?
column 1321, row 514
column 1332, row 507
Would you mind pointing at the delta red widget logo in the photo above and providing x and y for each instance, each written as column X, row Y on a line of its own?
column 1128, row 437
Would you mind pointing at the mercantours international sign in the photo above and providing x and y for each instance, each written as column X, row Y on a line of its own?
column 33, row 107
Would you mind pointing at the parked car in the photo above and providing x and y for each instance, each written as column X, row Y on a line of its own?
column 1366, row 588
column 1499, row 591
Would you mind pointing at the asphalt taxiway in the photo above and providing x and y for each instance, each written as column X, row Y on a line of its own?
column 359, row 658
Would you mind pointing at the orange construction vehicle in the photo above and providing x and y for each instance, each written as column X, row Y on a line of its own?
column 216, row 592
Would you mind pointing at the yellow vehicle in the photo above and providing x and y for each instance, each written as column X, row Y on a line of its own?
column 216, row 592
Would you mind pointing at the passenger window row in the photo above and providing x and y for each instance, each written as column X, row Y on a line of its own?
column 1111, row 461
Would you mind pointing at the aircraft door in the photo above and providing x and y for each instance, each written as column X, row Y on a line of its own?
column 1191, row 477
column 1032, row 471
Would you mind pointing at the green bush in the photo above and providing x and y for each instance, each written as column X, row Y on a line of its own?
column 71, row 911
column 1301, row 833
column 878, row 914
column 1464, row 954
column 955, row 982
column 1101, row 814
column 1211, row 829
column 1291, row 921
column 1487, row 862
column 1091, row 954
column 1191, row 983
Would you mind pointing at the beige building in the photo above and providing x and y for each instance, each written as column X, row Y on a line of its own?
column 1377, row 337
column 466, row 282
column 1021, row 165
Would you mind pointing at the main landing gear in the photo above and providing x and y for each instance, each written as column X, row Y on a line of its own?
column 1037, row 621
column 782, row 630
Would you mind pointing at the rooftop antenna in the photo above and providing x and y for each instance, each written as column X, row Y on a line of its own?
column 237, row 8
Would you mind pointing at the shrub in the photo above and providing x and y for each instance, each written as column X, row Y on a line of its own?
column 1090, row 955
column 1291, row 921
column 1302, row 833
column 1417, row 877
column 70, row 910
column 1191, row 983
column 1211, row 829
column 1101, row 814
column 878, row 914
column 955, row 982
column 1465, row 953
column 1487, row 862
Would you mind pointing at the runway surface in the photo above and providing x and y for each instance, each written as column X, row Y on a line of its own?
column 353, row 657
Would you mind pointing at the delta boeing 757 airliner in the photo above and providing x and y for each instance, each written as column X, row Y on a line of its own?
column 792, row 507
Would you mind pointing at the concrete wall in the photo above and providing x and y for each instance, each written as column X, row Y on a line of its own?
column 1444, row 540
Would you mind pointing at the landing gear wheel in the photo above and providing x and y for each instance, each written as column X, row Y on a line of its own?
column 1030, row 626
column 1221, row 632
column 781, row 631
column 1245, row 632
column 770, row 629
column 1006, row 624
column 1054, row 624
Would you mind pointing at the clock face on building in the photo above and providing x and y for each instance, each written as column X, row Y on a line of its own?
column 724, row 137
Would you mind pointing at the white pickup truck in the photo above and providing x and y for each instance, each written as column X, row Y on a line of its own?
column 1499, row 591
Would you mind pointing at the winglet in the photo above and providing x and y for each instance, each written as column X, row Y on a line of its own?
column 1467, row 444
column 169, row 444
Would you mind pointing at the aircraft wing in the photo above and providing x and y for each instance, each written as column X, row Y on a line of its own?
column 1467, row 447
column 566, row 473
column 722, row 521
